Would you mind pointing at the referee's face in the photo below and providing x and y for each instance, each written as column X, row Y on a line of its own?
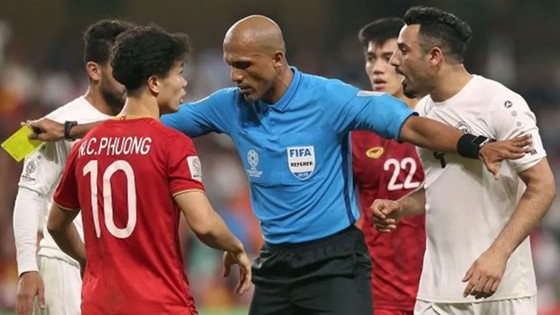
column 251, row 69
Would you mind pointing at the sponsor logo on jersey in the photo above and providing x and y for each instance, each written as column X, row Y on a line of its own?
column 195, row 167
column 253, row 161
column 301, row 161
column 375, row 152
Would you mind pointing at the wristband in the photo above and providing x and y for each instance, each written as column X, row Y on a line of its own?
column 469, row 145
column 67, row 127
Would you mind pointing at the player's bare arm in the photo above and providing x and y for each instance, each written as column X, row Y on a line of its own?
column 63, row 231
column 486, row 272
column 428, row 133
column 49, row 130
column 209, row 228
column 388, row 213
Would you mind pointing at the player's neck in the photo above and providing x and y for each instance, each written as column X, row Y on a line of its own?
column 449, row 82
column 96, row 100
column 136, row 107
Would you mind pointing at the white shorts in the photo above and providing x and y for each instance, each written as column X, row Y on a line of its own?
column 520, row 306
column 63, row 287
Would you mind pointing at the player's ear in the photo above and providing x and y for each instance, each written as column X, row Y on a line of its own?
column 153, row 84
column 93, row 70
column 436, row 55
column 278, row 59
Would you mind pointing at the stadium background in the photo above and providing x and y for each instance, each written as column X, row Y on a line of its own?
column 516, row 42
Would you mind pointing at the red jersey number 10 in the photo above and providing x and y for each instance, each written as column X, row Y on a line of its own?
column 119, row 165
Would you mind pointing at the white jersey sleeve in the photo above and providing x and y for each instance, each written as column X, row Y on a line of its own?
column 41, row 173
column 29, row 204
column 511, row 118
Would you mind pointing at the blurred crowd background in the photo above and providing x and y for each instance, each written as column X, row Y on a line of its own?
column 515, row 42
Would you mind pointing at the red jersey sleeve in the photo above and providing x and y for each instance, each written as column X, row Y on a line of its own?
column 185, row 170
column 66, row 194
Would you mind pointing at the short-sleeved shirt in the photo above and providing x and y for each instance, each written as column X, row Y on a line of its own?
column 296, row 152
column 387, row 169
column 466, row 208
column 123, row 175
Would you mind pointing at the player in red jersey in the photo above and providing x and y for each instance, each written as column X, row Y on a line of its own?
column 129, row 176
column 384, row 168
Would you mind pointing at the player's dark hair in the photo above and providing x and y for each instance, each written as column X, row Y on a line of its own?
column 380, row 31
column 100, row 37
column 441, row 29
column 147, row 51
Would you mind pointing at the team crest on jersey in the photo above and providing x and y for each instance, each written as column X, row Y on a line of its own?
column 301, row 161
column 253, row 161
column 463, row 127
column 195, row 167
column 375, row 152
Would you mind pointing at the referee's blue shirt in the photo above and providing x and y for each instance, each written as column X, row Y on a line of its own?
column 297, row 152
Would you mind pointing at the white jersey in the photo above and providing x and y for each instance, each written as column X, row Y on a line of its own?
column 466, row 208
column 43, row 169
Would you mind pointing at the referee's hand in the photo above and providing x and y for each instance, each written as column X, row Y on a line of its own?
column 386, row 214
column 244, row 263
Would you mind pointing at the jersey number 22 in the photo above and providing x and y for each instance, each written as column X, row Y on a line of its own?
column 406, row 164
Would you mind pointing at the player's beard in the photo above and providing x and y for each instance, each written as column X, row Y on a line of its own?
column 407, row 90
column 409, row 93
column 113, row 98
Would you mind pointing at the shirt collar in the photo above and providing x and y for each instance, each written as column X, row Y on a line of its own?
column 283, row 102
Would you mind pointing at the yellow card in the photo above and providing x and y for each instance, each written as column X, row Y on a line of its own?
column 19, row 146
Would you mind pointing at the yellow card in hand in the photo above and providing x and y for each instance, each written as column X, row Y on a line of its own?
column 19, row 146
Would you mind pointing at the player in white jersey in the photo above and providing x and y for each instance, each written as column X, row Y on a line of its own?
column 50, row 274
column 478, row 256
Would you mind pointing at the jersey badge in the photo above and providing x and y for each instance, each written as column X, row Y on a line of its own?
column 375, row 152
column 253, row 161
column 195, row 167
column 30, row 168
column 301, row 161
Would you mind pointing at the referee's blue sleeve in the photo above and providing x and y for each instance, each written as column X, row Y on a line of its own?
column 383, row 114
column 202, row 117
column 353, row 109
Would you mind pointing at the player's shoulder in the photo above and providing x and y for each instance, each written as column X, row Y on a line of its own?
column 78, row 109
column 499, row 94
